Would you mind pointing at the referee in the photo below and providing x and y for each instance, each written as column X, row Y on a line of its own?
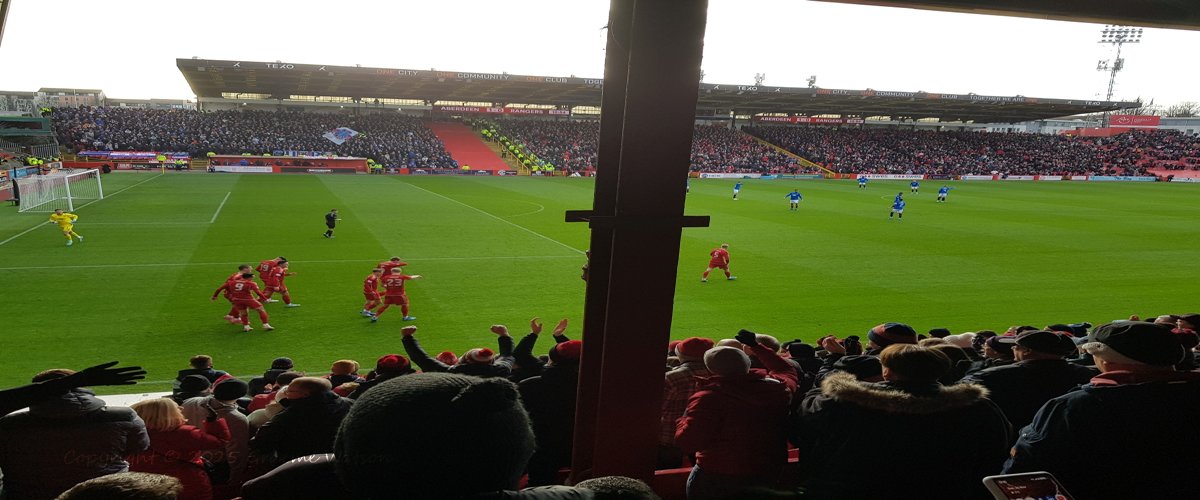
column 331, row 219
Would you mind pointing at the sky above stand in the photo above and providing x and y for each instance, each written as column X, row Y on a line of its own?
column 128, row 47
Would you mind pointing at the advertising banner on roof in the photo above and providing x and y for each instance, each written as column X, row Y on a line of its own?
column 809, row 119
column 1134, row 121
column 502, row 111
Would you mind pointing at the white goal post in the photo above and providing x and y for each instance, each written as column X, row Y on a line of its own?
column 64, row 189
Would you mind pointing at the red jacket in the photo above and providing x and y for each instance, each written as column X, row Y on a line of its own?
column 736, row 424
column 176, row 453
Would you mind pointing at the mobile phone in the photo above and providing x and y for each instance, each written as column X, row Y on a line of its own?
column 1026, row 486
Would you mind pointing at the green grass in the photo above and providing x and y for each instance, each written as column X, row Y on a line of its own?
column 495, row 250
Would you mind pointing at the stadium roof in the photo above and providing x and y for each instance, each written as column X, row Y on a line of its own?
column 212, row 78
column 1176, row 14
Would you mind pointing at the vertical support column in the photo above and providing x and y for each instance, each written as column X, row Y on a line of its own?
column 652, row 72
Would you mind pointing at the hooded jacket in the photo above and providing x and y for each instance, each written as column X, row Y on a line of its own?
column 65, row 440
column 895, row 440
column 1137, row 430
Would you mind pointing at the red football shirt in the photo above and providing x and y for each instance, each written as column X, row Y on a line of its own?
column 371, row 284
column 720, row 256
column 394, row 284
column 387, row 266
column 241, row 290
column 275, row 277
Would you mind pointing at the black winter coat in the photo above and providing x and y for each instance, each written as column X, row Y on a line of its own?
column 550, row 400
column 305, row 427
column 1020, row 389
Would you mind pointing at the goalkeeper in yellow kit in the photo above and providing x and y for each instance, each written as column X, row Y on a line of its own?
column 66, row 222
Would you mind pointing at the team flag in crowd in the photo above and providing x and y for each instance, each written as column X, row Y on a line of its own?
column 340, row 135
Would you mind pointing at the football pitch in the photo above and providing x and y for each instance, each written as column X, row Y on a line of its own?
column 496, row 250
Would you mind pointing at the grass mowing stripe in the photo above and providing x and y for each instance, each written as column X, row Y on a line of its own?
column 343, row 261
column 27, row 231
column 489, row 214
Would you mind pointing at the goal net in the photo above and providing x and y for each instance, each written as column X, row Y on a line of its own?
column 65, row 189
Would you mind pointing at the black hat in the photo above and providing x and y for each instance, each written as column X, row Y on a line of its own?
column 1046, row 341
column 861, row 366
column 1140, row 341
column 939, row 333
column 230, row 389
column 282, row 364
column 194, row 383
column 887, row 334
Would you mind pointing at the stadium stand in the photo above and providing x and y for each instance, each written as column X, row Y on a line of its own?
column 394, row 140
column 804, row 428
column 466, row 148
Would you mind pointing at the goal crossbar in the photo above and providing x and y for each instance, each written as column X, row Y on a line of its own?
column 58, row 190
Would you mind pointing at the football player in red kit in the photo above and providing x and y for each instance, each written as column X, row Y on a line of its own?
column 233, row 317
column 719, row 259
column 393, row 285
column 244, row 293
column 273, row 282
column 371, row 292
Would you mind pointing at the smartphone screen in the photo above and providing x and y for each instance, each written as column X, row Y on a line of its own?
column 1032, row 486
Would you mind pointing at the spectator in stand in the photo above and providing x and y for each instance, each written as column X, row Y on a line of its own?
column 923, row 439
column 202, row 364
column 192, row 386
column 1040, row 373
column 678, row 386
column 480, row 361
column 550, row 400
column 736, row 423
column 386, row 368
column 258, row 385
column 343, row 371
column 525, row 364
column 226, row 464
column 68, row 435
column 175, row 446
column 307, row 424
column 260, row 401
column 126, row 486
column 258, row 418
column 1136, row 421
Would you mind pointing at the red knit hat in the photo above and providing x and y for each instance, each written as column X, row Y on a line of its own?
column 693, row 348
column 566, row 352
column 479, row 355
column 671, row 347
column 448, row 357
column 391, row 363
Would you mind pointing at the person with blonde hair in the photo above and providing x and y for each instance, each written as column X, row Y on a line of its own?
column 175, row 446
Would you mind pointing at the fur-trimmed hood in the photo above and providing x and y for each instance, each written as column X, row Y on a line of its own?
column 884, row 397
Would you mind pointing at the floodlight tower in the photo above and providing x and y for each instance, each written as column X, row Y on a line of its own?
column 1119, row 36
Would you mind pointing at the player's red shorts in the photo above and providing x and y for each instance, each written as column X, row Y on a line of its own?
column 371, row 295
column 717, row 264
column 251, row 303
column 395, row 300
column 272, row 288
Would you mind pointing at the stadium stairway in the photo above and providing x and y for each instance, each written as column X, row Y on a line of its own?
column 799, row 159
column 465, row 146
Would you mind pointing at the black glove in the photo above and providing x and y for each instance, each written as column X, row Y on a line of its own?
column 105, row 374
column 853, row 345
column 747, row 337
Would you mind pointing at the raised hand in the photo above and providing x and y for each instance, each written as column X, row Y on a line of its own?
column 408, row 331
column 535, row 326
column 500, row 330
column 105, row 374
column 560, row 327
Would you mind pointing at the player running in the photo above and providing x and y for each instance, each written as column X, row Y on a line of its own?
column 897, row 208
column 66, row 223
column 718, row 259
column 914, row 186
column 942, row 193
column 737, row 187
column 273, row 282
column 244, row 293
column 795, row 198
column 862, row 181
column 234, row 315
column 371, row 292
column 393, row 285
column 331, row 219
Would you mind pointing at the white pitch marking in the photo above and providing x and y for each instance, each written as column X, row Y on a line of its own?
column 489, row 214
column 539, row 210
column 188, row 264
column 219, row 207
column 27, row 231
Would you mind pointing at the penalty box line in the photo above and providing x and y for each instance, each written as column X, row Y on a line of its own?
column 343, row 261
column 119, row 191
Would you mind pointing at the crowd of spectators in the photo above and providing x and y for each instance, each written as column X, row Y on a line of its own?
column 893, row 151
column 1107, row 410
column 569, row 145
column 393, row 140
column 1157, row 149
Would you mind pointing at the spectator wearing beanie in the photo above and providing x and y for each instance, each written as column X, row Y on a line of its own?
column 835, row 350
column 678, row 386
column 1136, row 420
column 1040, row 373
column 386, row 368
column 260, row 401
column 886, row 334
column 550, row 400
column 803, row 355
column 447, row 357
column 525, row 364
column 480, row 362
column 343, row 371
column 735, row 423
column 997, row 351
column 231, row 461
column 259, row 417
column 192, row 386
column 175, row 446
column 259, row 385
column 307, row 424
column 914, row 425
